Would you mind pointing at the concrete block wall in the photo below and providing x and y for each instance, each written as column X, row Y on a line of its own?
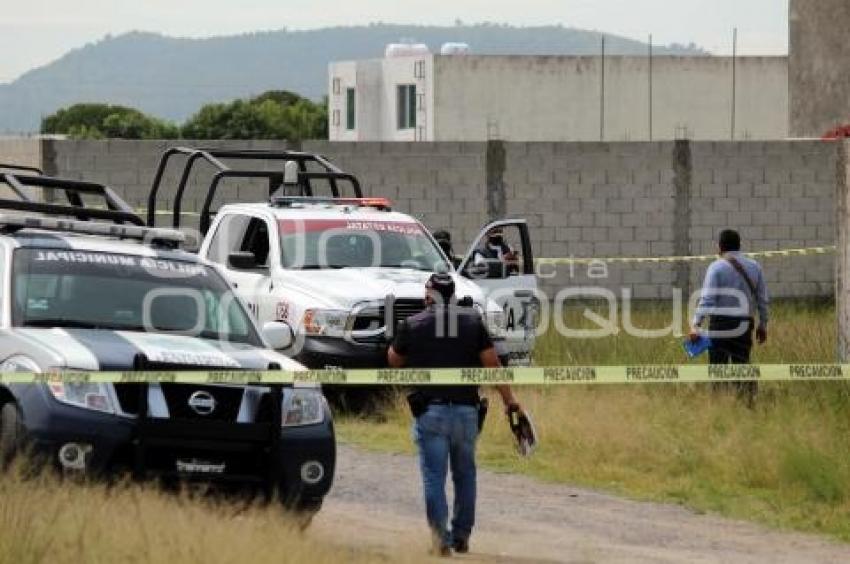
column 581, row 199
column 779, row 195
column 442, row 184
column 596, row 200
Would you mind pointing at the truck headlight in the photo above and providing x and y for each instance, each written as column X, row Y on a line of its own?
column 302, row 406
column 325, row 322
column 83, row 394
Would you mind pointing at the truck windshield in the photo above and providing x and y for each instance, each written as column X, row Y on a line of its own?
column 335, row 243
column 95, row 290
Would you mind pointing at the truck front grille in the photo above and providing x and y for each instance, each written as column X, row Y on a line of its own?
column 373, row 318
column 228, row 400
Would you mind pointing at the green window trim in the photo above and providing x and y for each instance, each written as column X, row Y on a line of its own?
column 350, row 108
column 406, row 106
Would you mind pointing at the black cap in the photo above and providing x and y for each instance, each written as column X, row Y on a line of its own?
column 443, row 236
column 443, row 284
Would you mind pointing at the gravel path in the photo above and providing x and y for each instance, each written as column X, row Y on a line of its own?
column 376, row 505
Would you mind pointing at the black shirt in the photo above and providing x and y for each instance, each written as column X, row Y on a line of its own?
column 428, row 340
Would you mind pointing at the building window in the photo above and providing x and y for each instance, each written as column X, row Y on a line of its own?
column 350, row 109
column 335, row 87
column 335, row 118
column 419, row 69
column 406, row 106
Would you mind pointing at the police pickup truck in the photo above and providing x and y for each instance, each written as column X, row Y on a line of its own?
column 342, row 271
column 91, row 289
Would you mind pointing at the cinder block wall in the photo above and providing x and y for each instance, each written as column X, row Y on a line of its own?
column 780, row 195
column 596, row 200
column 443, row 183
column 581, row 199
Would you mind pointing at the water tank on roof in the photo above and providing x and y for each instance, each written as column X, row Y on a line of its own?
column 406, row 50
column 454, row 49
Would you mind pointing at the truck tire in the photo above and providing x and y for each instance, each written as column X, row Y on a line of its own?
column 11, row 432
column 302, row 510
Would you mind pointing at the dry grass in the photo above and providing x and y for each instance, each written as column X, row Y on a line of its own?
column 45, row 520
column 784, row 463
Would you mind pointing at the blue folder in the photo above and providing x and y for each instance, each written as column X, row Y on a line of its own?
column 696, row 348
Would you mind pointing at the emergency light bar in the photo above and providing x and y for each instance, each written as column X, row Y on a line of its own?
column 382, row 204
column 167, row 237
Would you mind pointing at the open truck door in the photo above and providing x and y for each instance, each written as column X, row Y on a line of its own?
column 501, row 262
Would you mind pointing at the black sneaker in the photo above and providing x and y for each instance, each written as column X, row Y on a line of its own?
column 461, row 546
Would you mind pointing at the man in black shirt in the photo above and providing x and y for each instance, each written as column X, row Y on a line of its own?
column 447, row 336
column 444, row 239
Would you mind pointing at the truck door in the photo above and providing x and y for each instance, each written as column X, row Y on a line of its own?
column 238, row 237
column 500, row 261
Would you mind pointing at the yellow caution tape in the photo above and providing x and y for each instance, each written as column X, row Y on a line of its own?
column 688, row 258
column 552, row 375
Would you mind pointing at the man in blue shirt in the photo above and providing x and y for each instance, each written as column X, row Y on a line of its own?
column 732, row 293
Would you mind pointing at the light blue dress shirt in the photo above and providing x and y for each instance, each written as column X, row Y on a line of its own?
column 721, row 276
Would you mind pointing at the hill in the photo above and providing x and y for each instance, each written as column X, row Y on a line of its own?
column 172, row 77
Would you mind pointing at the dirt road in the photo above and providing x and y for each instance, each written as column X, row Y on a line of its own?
column 376, row 504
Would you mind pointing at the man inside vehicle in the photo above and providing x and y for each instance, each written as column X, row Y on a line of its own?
column 496, row 258
column 444, row 240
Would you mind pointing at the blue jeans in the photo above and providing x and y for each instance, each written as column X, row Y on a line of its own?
column 446, row 434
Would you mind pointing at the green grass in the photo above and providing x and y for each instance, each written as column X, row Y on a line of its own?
column 785, row 463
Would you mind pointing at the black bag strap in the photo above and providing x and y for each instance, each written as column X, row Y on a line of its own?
column 740, row 269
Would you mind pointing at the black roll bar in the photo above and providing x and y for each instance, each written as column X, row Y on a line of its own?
column 213, row 157
column 22, row 168
column 116, row 209
column 274, row 178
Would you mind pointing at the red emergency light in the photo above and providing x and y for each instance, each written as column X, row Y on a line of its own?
column 374, row 202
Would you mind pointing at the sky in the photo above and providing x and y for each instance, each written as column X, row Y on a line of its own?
column 36, row 32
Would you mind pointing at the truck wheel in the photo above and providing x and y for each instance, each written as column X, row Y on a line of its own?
column 303, row 511
column 11, row 432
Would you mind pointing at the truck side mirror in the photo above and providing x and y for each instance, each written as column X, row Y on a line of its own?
column 243, row 260
column 278, row 334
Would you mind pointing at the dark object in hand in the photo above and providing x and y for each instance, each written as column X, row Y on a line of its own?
column 483, row 406
column 418, row 403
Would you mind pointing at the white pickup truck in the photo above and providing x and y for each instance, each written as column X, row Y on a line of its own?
column 328, row 266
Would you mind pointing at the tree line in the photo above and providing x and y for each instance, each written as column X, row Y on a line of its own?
column 276, row 114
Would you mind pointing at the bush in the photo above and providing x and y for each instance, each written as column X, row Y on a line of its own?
column 276, row 114
column 98, row 121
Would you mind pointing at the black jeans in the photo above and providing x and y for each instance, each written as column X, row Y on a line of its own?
column 735, row 350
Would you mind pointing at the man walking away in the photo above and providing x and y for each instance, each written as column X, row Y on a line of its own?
column 734, row 289
column 447, row 417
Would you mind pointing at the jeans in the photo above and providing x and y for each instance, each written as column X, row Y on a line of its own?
column 445, row 435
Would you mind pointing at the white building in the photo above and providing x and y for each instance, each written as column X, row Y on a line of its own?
column 415, row 95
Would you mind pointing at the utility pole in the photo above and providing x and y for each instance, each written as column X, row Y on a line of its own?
column 650, row 87
column 734, row 77
column 602, row 95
